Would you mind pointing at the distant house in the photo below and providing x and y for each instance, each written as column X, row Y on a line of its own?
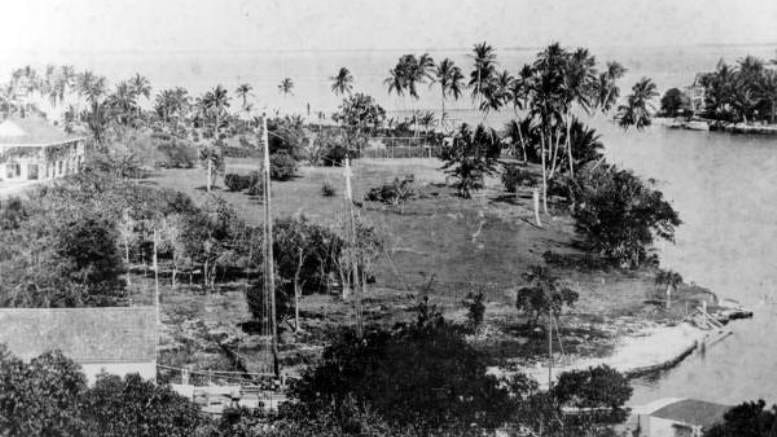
column 679, row 418
column 116, row 340
column 32, row 149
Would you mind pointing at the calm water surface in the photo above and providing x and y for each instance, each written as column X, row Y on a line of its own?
column 725, row 189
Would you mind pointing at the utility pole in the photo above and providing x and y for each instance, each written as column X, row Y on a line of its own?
column 351, row 229
column 550, row 351
column 269, row 265
column 156, row 294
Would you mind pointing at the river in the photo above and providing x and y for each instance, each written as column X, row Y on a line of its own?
column 724, row 187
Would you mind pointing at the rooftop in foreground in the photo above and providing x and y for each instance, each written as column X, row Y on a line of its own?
column 32, row 131
column 86, row 335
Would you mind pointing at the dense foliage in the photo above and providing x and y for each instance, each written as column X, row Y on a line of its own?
column 395, row 193
column 674, row 102
column 748, row 419
column 49, row 397
column 744, row 92
column 620, row 215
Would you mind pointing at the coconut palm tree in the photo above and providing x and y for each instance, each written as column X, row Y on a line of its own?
column 243, row 91
column 767, row 91
column 342, row 82
column 484, row 69
column 450, row 78
column 286, row 86
column 216, row 103
column 123, row 102
column 579, row 87
column 519, row 95
column 90, row 86
column 607, row 91
column 636, row 111
column 140, row 86
column 496, row 93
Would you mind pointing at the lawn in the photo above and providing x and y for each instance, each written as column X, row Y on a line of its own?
column 438, row 245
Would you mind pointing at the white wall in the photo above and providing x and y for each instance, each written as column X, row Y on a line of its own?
column 147, row 370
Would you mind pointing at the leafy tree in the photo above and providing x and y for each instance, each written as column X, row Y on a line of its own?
column 601, row 391
column 132, row 407
column 40, row 398
column 674, row 102
column 471, row 157
column 748, row 419
column 545, row 295
column 359, row 114
column 475, row 309
column 620, row 215
column 282, row 167
column 305, row 255
column 89, row 247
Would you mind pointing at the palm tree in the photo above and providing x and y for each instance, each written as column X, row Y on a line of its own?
column 519, row 94
column 286, row 86
column 496, row 93
column 90, row 86
column 123, row 102
column 450, row 78
column 636, row 111
column 216, row 103
column 484, row 70
column 342, row 82
column 607, row 91
column 768, row 91
column 579, row 86
column 140, row 85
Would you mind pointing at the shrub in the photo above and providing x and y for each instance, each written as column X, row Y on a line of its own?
column 241, row 152
column 178, row 154
column 513, row 177
column 395, row 193
column 544, row 295
column 327, row 190
column 236, row 182
column 282, row 167
column 475, row 309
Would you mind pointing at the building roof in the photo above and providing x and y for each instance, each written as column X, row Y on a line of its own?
column 693, row 412
column 32, row 131
column 86, row 335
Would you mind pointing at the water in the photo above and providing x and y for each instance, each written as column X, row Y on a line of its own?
column 724, row 188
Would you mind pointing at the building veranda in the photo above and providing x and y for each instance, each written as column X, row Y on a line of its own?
column 32, row 149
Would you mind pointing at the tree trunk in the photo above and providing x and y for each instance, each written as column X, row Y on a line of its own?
column 126, row 257
column 210, row 166
column 569, row 150
column 544, row 175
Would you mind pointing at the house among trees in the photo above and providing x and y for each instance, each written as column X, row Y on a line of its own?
column 32, row 149
column 115, row 340
column 679, row 418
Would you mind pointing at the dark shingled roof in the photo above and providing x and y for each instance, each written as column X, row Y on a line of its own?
column 86, row 335
column 32, row 131
column 693, row 412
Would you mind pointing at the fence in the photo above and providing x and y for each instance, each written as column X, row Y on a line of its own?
column 403, row 147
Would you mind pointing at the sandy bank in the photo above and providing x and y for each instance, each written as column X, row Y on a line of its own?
column 647, row 350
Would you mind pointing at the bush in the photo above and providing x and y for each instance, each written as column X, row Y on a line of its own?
column 255, row 187
column 178, row 154
column 236, row 182
column 475, row 309
column 327, row 190
column 513, row 177
column 282, row 167
column 395, row 193
column 241, row 152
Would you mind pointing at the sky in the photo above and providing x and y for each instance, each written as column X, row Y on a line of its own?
column 96, row 26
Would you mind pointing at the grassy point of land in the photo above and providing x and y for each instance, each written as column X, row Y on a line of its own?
column 439, row 245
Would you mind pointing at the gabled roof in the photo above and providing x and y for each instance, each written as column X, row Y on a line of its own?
column 86, row 335
column 693, row 412
column 32, row 131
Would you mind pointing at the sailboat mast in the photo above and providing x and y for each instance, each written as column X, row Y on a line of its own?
column 268, row 247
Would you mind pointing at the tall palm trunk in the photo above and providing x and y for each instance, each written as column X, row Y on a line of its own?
column 544, row 174
column 569, row 149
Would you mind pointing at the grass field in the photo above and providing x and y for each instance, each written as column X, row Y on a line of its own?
column 439, row 245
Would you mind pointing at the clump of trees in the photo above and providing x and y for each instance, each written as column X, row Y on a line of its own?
column 748, row 419
column 620, row 215
column 674, row 103
column 744, row 92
